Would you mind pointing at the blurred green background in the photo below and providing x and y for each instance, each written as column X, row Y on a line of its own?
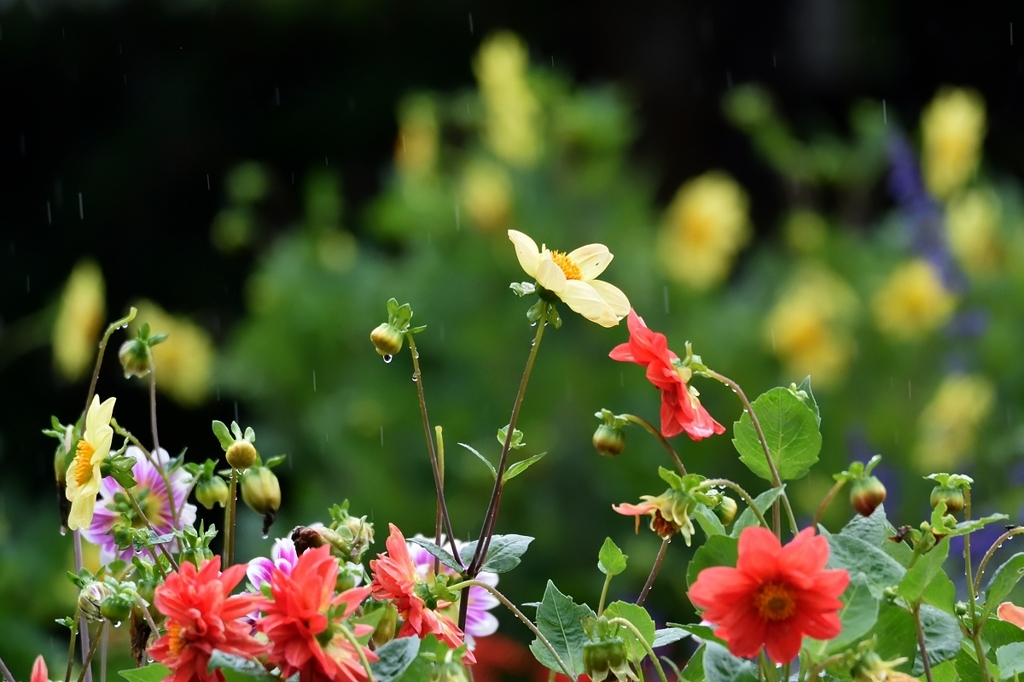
column 796, row 188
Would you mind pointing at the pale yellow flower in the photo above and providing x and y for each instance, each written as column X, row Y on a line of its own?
column 704, row 227
column 487, row 195
column 913, row 302
column 972, row 229
column 571, row 277
column 949, row 423
column 952, row 130
column 512, row 110
column 809, row 328
column 417, row 143
column 183, row 363
column 83, row 477
column 76, row 331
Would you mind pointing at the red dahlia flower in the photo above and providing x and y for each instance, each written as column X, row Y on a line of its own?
column 201, row 617
column 680, row 408
column 395, row 578
column 774, row 596
column 304, row 622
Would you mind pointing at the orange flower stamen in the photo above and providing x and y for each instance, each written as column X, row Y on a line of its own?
column 83, row 462
column 562, row 260
column 175, row 639
column 775, row 602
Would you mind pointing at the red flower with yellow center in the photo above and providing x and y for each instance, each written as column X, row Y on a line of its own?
column 774, row 596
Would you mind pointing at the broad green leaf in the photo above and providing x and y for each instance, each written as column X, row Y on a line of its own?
column 967, row 668
column 502, row 554
column 707, row 520
column 721, row 666
column 997, row 633
column 223, row 436
column 611, row 560
column 490, row 467
column 520, row 467
column 790, row 430
column 666, row 636
column 942, row 637
column 439, row 553
column 965, row 527
column 560, row 620
column 1003, row 580
column 154, row 672
column 640, row 619
column 805, row 386
column 238, row 669
column 858, row 557
column 924, row 570
column 763, row 502
column 896, row 635
column 858, row 615
column 694, row 669
column 874, row 529
column 719, row 550
column 704, row 632
column 1010, row 659
column 394, row 658
column 945, row 672
column 940, row 593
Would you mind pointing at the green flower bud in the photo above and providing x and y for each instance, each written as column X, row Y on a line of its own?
column 386, row 339
column 726, row 510
column 211, row 491
column 136, row 358
column 349, row 575
column 262, row 493
column 866, row 494
column 449, row 671
column 606, row 657
column 90, row 599
column 116, row 608
column 952, row 496
column 241, row 454
column 386, row 626
column 609, row 440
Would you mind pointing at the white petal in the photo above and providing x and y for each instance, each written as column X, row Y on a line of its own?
column 584, row 299
column 550, row 276
column 613, row 296
column 592, row 259
column 526, row 251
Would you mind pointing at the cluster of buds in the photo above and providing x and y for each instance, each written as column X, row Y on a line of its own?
column 106, row 598
column 261, row 490
column 605, row 653
column 239, row 448
column 136, row 355
column 389, row 336
column 868, row 666
column 348, row 536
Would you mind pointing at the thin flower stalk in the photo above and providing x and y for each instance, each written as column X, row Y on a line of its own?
column 229, row 520
column 827, row 500
column 125, row 433
column 992, row 550
column 921, row 642
column 735, row 487
column 976, row 627
column 149, row 524
column 640, row 638
column 5, row 671
column 649, row 427
column 654, row 571
column 87, row 663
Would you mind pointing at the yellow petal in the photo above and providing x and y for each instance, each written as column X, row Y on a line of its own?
column 82, row 509
column 99, row 415
column 550, row 276
column 591, row 259
column 526, row 251
column 584, row 299
column 613, row 297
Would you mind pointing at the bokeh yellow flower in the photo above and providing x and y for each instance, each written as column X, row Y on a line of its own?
column 76, row 331
column 952, row 130
column 571, row 277
column 486, row 191
column 972, row 230
column 704, row 227
column 83, row 477
column 417, row 143
column 183, row 363
column 913, row 302
column 512, row 110
column 949, row 423
column 809, row 328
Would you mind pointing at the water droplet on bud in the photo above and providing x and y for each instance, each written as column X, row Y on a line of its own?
column 387, row 358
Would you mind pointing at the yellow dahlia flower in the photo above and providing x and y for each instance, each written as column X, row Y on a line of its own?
column 83, row 478
column 76, row 331
column 952, row 129
column 513, row 112
column 571, row 277
column 950, row 422
column 184, row 362
column 913, row 303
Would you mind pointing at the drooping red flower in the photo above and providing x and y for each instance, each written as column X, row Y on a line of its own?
column 201, row 617
column 395, row 578
column 680, row 407
column 304, row 622
column 774, row 596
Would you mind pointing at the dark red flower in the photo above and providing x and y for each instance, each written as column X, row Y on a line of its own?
column 774, row 596
column 680, row 408
column 201, row 617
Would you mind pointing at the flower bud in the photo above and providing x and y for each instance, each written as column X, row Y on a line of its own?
column 349, row 575
column 212, row 491
column 952, row 496
column 116, row 608
column 866, row 494
column 90, row 599
column 262, row 493
column 241, row 454
column 449, row 671
column 726, row 510
column 136, row 358
column 387, row 339
column 607, row 657
column 609, row 440
column 386, row 626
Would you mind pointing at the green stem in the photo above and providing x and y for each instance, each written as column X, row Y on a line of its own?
column 654, row 571
column 976, row 627
column 149, row 525
column 992, row 550
column 640, row 638
column 519, row 614
column 650, row 428
column 747, row 499
column 83, row 624
column 229, row 520
column 435, row 467
column 71, row 646
column 833, row 491
column 125, row 433
column 604, row 593
column 776, row 480
column 114, row 326
column 347, row 634
column 145, row 614
column 921, row 644
column 103, row 655
column 156, row 441
column 815, row 672
column 87, row 663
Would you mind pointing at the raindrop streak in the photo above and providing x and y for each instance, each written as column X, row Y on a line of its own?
column 81, row 208
column 314, row 382
column 666, row 299
column 404, row 150
column 236, row 410
column 218, row 394
column 277, row 96
column 552, row 61
column 1011, row 33
column 471, row 24
column 885, row 115
column 207, row 181
column 49, row 214
column 387, row 359
column 325, row 161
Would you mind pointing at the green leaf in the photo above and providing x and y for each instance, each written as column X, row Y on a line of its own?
column 520, row 467
column 666, row 636
column 762, row 502
column 394, row 658
column 694, row 670
column 439, row 553
column 236, row 430
column 805, row 386
column 942, row 637
column 221, row 431
column 250, row 435
column 238, row 669
column 274, row 461
column 874, row 529
column 1010, row 659
column 945, row 672
column 858, row 615
column 924, row 570
column 561, row 620
column 707, row 520
column 154, row 672
column 611, row 560
column 641, row 620
column 858, row 557
column 502, row 554
column 895, row 634
column 1003, row 580
column 494, row 472
column 704, row 632
column 965, row 527
column 719, row 550
column 517, row 438
column 790, row 430
column 940, row 593
column 967, row 668
column 721, row 666
column 999, row 633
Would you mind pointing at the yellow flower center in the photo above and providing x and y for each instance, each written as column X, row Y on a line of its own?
column 175, row 639
column 562, row 260
column 83, row 462
column 775, row 601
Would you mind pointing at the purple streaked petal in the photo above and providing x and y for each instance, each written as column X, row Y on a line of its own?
column 283, row 553
column 259, row 571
